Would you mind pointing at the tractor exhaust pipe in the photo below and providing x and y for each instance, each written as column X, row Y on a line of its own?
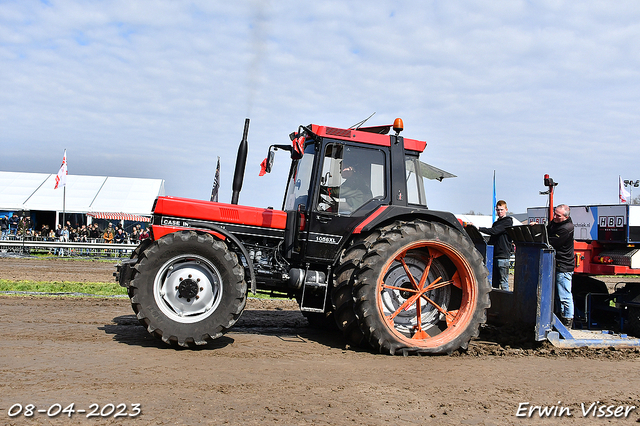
column 241, row 162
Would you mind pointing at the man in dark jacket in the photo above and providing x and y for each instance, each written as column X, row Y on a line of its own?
column 560, row 231
column 502, row 245
column 13, row 224
column 4, row 226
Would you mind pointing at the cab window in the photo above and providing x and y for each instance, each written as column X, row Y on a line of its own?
column 415, row 184
column 351, row 176
column 300, row 180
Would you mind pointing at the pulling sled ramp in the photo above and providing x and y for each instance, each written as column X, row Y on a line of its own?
column 532, row 299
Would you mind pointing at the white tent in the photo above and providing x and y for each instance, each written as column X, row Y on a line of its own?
column 482, row 221
column 84, row 194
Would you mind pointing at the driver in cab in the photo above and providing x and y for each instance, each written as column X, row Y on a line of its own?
column 355, row 189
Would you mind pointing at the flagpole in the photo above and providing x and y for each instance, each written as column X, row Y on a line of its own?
column 61, row 180
column 64, row 193
column 64, row 199
column 493, row 215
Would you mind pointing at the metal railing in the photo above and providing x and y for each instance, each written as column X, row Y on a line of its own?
column 63, row 248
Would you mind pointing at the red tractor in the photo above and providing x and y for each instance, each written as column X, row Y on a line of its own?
column 354, row 243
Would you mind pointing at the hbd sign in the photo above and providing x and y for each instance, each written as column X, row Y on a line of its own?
column 611, row 222
column 612, row 227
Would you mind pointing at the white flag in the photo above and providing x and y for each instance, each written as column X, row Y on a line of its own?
column 624, row 194
column 61, row 179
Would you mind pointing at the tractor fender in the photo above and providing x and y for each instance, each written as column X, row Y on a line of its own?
column 217, row 231
column 386, row 214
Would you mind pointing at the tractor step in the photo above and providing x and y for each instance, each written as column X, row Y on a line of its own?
column 314, row 292
column 308, row 309
column 314, row 285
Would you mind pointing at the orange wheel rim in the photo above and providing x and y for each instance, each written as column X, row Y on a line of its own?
column 427, row 294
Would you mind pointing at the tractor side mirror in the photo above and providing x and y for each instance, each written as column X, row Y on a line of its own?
column 267, row 163
column 270, row 157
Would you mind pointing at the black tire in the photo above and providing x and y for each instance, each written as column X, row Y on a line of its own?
column 453, row 294
column 633, row 321
column 581, row 285
column 144, row 244
column 633, row 312
column 342, row 291
column 188, row 288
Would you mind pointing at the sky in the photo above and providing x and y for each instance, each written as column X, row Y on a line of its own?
column 160, row 89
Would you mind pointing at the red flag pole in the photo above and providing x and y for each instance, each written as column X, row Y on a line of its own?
column 548, row 182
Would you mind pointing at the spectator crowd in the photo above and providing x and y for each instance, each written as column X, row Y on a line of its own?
column 16, row 227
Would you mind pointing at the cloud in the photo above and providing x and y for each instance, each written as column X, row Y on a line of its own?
column 159, row 89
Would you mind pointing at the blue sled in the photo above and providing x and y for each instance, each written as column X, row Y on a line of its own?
column 531, row 301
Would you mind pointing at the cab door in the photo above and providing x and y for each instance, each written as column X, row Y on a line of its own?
column 351, row 183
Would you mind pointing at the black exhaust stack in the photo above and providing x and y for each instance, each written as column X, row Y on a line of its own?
column 241, row 162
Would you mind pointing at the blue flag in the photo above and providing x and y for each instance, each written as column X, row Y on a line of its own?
column 493, row 216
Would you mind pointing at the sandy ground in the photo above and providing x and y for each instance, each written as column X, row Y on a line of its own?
column 273, row 369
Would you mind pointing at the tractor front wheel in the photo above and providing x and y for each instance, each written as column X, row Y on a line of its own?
column 188, row 288
column 421, row 288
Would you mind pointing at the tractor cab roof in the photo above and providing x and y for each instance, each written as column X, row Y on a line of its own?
column 370, row 135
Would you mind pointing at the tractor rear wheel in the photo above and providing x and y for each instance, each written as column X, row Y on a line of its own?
column 421, row 288
column 342, row 291
column 188, row 288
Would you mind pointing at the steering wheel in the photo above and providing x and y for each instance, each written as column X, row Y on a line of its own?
column 329, row 198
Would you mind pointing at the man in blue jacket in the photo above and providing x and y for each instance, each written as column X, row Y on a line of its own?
column 502, row 245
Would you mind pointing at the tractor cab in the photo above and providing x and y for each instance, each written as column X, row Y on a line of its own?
column 341, row 177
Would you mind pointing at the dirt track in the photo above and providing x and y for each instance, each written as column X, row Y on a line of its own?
column 272, row 368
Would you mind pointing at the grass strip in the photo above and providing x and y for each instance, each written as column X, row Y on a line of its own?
column 99, row 289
